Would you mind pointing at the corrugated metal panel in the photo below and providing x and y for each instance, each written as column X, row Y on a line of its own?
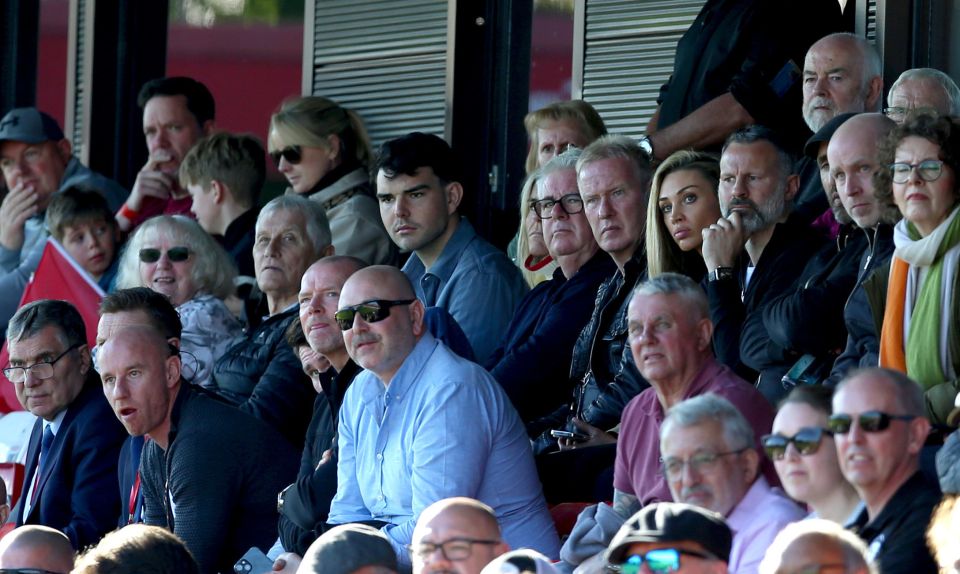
column 395, row 76
column 872, row 21
column 79, row 88
column 628, row 54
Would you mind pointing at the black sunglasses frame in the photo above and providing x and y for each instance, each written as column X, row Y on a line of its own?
column 174, row 254
column 804, row 446
column 293, row 154
column 372, row 311
column 869, row 421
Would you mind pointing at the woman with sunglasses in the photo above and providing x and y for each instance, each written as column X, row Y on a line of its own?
column 921, row 334
column 683, row 201
column 174, row 256
column 805, row 456
column 324, row 152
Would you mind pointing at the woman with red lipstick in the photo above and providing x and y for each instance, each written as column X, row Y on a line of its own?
column 683, row 201
column 535, row 263
column 174, row 256
column 921, row 333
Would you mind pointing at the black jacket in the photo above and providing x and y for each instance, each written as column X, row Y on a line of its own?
column 262, row 376
column 602, row 362
column 740, row 338
column 863, row 341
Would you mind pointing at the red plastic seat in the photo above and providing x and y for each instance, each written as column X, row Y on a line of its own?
column 12, row 474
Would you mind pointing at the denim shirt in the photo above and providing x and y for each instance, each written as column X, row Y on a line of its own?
column 442, row 427
column 475, row 282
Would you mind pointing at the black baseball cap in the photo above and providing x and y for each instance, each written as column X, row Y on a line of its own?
column 673, row 522
column 29, row 125
column 812, row 147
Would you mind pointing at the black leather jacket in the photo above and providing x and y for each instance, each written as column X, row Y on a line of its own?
column 602, row 362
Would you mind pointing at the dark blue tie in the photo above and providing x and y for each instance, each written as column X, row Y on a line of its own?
column 45, row 443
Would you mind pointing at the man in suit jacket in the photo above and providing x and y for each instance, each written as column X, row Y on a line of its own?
column 71, row 467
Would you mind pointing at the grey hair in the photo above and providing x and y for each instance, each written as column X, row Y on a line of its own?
column 854, row 550
column 564, row 161
column 318, row 226
column 680, row 285
column 213, row 271
column 618, row 147
column 934, row 75
column 757, row 133
column 872, row 65
column 38, row 315
column 737, row 432
column 908, row 392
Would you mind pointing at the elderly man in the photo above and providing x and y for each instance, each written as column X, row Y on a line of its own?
column 852, row 155
column 37, row 162
column 259, row 372
column 213, row 485
column 534, row 359
column 670, row 339
column 613, row 175
column 177, row 112
column 922, row 89
column 879, row 426
column 673, row 537
column 419, row 189
column 841, row 74
column 36, row 548
column 403, row 444
column 815, row 545
column 753, row 254
column 71, row 466
column 709, row 460
column 458, row 535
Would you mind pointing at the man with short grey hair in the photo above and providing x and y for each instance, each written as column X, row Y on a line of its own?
column 349, row 549
column 922, row 89
column 815, row 545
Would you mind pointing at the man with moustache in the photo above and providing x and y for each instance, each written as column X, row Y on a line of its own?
column 753, row 254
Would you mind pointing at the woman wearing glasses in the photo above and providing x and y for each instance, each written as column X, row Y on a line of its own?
column 323, row 151
column 174, row 256
column 805, row 456
column 921, row 334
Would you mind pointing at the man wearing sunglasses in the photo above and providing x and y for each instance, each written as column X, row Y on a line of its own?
column 71, row 467
column 669, row 537
column 36, row 550
column 421, row 424
column 879, row 425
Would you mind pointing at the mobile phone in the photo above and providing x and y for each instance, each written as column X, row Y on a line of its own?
column 253, row 562
column 568, row 434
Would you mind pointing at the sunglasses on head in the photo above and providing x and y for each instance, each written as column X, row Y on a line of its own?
column 290, row 153
column 870, row 421
column 659, row 561
column 174, row 254
column 806, row 441
column 370, row 311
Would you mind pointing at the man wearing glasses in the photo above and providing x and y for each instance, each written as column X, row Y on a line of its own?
column 922, row 90
column 36, row 550
column 879, row 426
column 421, row 424
column 71, row 467
column 459, row 535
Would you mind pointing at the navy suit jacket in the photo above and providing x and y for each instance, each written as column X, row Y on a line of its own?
column 77, row 492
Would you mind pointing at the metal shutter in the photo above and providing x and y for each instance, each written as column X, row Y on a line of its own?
column 79, row 77
column 625, row 53
column 386, row 59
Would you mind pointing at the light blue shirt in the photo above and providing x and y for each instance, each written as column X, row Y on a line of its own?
column 443, row 427
column 476, row 283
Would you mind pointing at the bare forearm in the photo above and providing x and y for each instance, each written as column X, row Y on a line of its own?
column 708, row 125
column 625, row 505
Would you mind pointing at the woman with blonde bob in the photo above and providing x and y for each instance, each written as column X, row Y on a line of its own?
column 683, row 202
column 324, row 152
column 174, row 256
column 534, row 261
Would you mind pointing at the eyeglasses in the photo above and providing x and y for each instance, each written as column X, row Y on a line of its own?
column 870, row 421
column 41, row 370
column 570, row 204
column 817, row 568
column 455, row 549
column 174, row 254
column 897, row 113
column 928, row 170
column 292, row 154
column 370, row 311
column 25, row 571
column 807, row 441
column 699, row 463
column 659, row 561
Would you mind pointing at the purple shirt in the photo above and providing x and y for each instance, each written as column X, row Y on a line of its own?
column 761, row 514
column 637, row 470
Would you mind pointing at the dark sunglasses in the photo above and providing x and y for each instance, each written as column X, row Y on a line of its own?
column 806, row 441
column 291, row 154
column 175, row 254
column 659, row 561
column 370, row 311
column 870, row 421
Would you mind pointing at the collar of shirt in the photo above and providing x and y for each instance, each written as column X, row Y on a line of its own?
column 374, row 389
column 56, row 422
column 444, row 266
column 710, row 369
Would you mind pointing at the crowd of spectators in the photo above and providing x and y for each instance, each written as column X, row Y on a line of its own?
column 729, row 346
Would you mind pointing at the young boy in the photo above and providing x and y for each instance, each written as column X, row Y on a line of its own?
column 83, row 223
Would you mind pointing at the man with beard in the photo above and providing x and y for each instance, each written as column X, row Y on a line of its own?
column 752, row 254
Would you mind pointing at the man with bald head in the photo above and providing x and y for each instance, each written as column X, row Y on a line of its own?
column 421, row 424
column 459, row 535
column 922, row 89
column 852, row 157
column 36, row 547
